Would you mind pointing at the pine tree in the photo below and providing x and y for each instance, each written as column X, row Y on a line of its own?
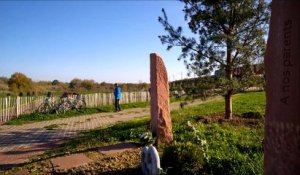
column 228, row 34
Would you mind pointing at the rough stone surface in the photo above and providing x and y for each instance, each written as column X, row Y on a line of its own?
column 161, row 124
column 71, row 161
column 282, row 126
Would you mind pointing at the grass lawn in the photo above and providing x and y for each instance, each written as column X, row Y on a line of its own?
column 208, row 145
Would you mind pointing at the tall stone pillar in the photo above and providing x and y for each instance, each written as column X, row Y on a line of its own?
column 282, row 125
column 161, row 125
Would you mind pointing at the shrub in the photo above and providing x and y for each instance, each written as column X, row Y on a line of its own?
column 238, row 165
column 183, row 158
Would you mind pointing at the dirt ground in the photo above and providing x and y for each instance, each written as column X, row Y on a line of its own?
column 244, row 120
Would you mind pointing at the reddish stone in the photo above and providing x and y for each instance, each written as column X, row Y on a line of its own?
column 161, row 125
column 282, row 125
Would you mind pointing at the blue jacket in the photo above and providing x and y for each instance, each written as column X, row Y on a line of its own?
column 117, row 92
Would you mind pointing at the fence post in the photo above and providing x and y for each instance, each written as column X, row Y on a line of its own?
column 3, row 110
column 6, row 110
column 110, row 99
column 18, row 106
column 9, row 108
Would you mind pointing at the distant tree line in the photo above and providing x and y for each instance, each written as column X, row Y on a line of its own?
column 20, row 84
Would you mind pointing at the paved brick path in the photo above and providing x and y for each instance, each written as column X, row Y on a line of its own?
column 18, row 143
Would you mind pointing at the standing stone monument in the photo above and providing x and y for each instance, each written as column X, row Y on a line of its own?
column 161, row 125
column 282, row 125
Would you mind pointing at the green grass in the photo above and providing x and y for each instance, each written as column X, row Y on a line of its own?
column 177, row 99
column 242, row 103
column 229, row 149
column 35, row 117
column 249, row 102
column 220, row 148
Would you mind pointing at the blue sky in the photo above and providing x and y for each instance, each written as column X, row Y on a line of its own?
column 102, row 40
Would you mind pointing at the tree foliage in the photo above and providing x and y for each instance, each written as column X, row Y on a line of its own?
column 55, row 82
column 78, row 84
column 75, row 83
column 19, row 82
column 228, row 34
column 3, row 84
column 88, row 84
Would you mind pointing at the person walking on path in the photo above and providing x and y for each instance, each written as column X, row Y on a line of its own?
column 118, row 95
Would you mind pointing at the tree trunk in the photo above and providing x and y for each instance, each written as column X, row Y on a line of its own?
column 228, row 105
column 229, row 72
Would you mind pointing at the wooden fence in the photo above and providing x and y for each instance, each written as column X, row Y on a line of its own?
column 100, row 99
column 12, row 107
